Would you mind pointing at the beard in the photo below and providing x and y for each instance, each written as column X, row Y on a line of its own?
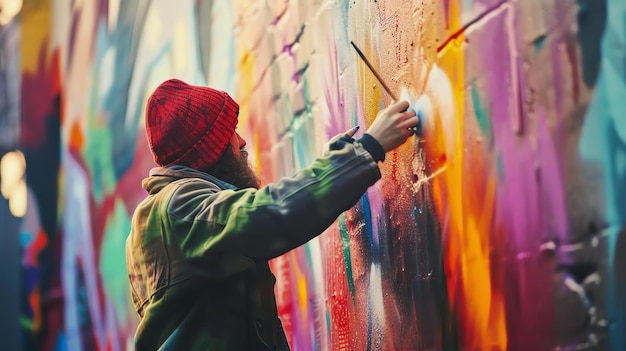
column 235, row 170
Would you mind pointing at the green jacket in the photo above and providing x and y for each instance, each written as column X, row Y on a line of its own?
column 198, row 249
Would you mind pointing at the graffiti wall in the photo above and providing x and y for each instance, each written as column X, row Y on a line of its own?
column 500, row 226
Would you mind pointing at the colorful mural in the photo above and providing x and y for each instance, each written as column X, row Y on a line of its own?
column 499, row 227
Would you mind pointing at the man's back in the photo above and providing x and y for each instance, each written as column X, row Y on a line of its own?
column 194, row 303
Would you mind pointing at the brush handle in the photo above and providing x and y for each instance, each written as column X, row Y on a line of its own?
column 371, row 68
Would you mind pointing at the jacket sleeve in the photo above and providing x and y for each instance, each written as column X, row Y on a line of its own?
column 265, row 223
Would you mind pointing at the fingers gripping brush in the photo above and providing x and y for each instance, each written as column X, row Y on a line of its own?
column 421, row 106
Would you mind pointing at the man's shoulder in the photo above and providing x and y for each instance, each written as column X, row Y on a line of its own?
column 186, row 184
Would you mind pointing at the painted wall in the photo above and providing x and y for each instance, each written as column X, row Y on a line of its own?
column 500, row 228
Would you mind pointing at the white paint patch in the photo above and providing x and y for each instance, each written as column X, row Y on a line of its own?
column 377, row 302
column 114, row 10
column 439, row 90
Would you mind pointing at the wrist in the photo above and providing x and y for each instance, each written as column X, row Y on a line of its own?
column 373, row 147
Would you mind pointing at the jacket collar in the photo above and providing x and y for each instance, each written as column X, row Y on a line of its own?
column 158, row 175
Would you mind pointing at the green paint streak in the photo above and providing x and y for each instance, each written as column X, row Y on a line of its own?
column 345, row 245
column 305, row 92
column 26, row 323
column 112, row 264
column 97, row 156
column 540, row 42
column 482, row 115
column 327, row 314
column 98, row 148
column 302, row 127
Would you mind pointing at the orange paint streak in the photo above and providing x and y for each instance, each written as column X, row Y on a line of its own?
column 255, row 121
column 76, row 138
column 34, row 300
column 465, row 204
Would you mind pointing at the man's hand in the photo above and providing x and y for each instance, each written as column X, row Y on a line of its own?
column 393, row 125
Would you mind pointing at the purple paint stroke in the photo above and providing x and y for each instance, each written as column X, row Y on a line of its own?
column 531, row 207
column 519, row 211
column 376, row 202
column 530, row 203
column 281, row 14
column 523, row 185
column 287, row 48
column 551, row 180
column 518, row 198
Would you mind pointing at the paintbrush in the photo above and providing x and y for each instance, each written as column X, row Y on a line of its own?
column 417, row 130
column 369, row 65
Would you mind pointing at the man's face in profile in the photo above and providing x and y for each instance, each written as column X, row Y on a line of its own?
column 234, row 166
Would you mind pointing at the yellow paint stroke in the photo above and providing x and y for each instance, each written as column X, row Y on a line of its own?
column 246, row 64
column 246, row 37
column 369, row 88
column 35, row 30
column 465, row 203
column 362, row 34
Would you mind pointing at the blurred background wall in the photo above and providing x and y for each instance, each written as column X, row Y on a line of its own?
column 501, row 228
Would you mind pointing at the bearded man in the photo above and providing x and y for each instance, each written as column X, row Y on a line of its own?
column 197, row 254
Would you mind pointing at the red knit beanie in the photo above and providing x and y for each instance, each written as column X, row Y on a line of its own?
column 189, row 125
